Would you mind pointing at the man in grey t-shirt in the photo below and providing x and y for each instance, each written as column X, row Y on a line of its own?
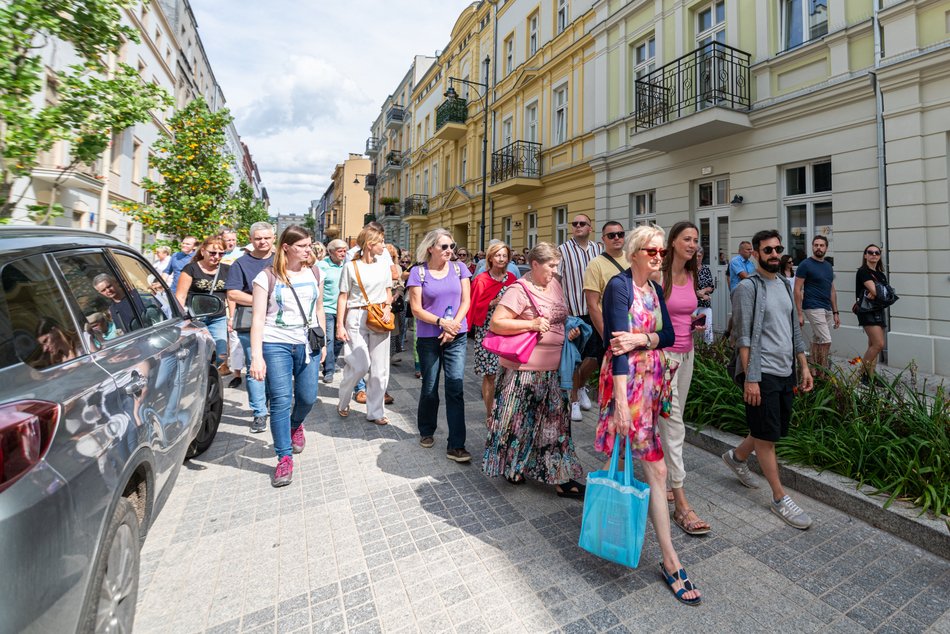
column 768, row 339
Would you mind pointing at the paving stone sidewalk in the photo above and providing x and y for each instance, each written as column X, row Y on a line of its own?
column 377, row 534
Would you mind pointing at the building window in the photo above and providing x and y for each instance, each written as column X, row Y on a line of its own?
column 448, row 173
column 509, row 55
column 506, row 230
column 560, row 115
column 803, row 20
column 118, row 139
column 533, row 34
column 435, row 179
column 807, row 203
column 561, row 15
column 531, row 123
column 136, row 160
column 463, row 169
column 711, row 24
column 714, row 193
column 506, row 126
column 644, row 57
column 561, row 230
column 531, row 233
column 642, row 208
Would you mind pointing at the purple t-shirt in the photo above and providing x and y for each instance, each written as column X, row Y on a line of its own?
column 437, row 295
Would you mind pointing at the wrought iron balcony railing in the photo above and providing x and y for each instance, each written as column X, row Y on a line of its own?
column 372, row 146
column 521, row 159
column 395, row 116
column 713, row 75
column 451, row 111
column 390, row 210
column 394, row 158
column 369, row 181
column 415, row 205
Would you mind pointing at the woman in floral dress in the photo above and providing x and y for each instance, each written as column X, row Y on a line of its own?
column 529, row 430
column 487, row 288
column 634, row 383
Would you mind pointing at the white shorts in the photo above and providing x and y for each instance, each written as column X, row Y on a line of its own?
column 822, row 322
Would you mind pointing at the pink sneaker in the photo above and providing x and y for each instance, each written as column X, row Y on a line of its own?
column 284, row 473
column 297, row 440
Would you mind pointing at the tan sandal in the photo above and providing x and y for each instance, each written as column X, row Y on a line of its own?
column 691, row 527
column 379, row 421
column 343, row 412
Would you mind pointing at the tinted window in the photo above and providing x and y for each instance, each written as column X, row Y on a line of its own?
column 35, row 325
column 108, row 308
column 154, row 299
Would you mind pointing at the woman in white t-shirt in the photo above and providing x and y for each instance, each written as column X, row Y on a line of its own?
column 280, row 354
column 365, row 349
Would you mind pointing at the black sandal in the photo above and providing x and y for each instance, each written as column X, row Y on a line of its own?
column 572, row 489
column 517, row 480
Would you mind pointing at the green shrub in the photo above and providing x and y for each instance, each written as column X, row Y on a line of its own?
column 892, row 438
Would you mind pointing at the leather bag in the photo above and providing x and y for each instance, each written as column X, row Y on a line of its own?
column 375, row 316
column 517, row 348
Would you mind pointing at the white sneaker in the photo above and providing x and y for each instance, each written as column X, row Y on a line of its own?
column 576, row 414
column 583, row 399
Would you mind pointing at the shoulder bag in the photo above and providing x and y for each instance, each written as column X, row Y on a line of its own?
column 517, row 348
column 316, row 337
column 375, row 315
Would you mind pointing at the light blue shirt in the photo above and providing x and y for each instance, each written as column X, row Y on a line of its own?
column 331, row 283
column 483, row 265
column 739, row 265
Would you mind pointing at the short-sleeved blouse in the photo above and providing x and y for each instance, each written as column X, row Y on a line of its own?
column 547, row 354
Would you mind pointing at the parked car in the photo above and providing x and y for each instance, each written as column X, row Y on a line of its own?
column 106, row 385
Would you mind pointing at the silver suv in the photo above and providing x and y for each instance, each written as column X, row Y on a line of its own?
column 106, row 385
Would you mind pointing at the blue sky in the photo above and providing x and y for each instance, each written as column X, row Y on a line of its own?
column 305, row 79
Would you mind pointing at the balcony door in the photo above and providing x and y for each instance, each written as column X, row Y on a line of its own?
column 710, row 28
column 712, row 218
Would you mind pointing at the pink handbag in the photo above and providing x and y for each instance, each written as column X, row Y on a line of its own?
column 517, row 348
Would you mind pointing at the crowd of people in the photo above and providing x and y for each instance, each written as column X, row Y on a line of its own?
column 631, row 305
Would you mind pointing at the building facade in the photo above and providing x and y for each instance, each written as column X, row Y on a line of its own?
column 813, row 118
column 349, row 210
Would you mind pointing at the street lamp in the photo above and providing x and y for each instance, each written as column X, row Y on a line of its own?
column 372, row 194
column 451, row 95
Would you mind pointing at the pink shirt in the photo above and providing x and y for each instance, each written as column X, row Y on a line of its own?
column 681, row 305
column 547, row 354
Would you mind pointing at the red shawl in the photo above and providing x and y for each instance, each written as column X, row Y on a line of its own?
column 484, row 290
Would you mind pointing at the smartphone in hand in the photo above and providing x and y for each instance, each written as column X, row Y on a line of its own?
column 698, row 321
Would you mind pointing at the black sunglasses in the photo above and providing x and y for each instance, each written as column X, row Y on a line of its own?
column 446, row 247
column 769, row 250
column 580, row 224
column 872, row 253
column 613, row 235
column 215, row 253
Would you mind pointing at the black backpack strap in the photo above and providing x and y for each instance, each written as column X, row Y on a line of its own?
column 613, row 261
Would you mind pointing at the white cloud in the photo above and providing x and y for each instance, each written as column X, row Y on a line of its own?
column 304, row 80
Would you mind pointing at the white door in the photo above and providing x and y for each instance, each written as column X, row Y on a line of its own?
column 714, row 238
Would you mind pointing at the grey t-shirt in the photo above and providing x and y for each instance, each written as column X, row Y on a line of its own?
column 776, row 339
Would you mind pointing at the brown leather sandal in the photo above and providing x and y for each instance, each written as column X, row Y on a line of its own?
column 691, row 527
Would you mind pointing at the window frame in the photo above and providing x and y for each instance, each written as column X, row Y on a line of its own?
column 560, row 111
column 561, row 16
column 648, row 65
column 635, row 218
column 806, row 26
column 531, row 229
column 506, row 230
column 531, row 125
column 809, row 199
column 562, row 232
column 533, row 34
column 509, row 54
column 715, row 28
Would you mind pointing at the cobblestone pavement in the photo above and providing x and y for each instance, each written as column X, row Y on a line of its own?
column 377, row 534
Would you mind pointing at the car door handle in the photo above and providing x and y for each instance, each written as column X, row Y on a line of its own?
column 182, row 353
column 135, row 386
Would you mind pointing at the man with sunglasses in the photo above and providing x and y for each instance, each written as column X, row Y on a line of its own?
column 576, row 255
column 769, row 342
column 817, row 300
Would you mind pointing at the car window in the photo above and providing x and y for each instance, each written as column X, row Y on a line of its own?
column 36, row 327
column 154, row 299
column 107, row 306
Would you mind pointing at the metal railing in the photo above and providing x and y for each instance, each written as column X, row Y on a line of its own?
column 415, row 205
column 521, row 159
column 390, row 210
column 395, row 114
column 451, row 111
column 369, row 181
column 713, row 75
column 372, row 145
column 394, row 158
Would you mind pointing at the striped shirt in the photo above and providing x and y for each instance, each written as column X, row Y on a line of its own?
column 574, row 261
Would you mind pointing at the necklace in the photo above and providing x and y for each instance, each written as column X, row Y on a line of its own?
column 504, row 276
column 540, row 289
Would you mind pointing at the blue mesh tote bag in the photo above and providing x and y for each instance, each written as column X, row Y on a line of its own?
column 615, row 512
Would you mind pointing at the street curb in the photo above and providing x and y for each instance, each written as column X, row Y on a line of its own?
column 899, row 519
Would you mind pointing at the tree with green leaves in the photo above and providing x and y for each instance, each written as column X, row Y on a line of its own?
column 85, row 101
column 193, row 196
column 247, row 210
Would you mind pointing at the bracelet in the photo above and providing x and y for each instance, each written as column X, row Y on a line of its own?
column 438, row 322
column 834, row 312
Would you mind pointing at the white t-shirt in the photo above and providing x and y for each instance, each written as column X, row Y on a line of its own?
column 284, row 323
column 382, row 257
column 376, row 278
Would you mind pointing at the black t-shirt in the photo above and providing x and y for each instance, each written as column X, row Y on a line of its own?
column 863, row 275
column 201, row 282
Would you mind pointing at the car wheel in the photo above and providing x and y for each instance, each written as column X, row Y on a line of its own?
column 214, row 406
column 115, row 581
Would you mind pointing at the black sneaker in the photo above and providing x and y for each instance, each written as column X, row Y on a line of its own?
column 458, row 455
column 259, row 424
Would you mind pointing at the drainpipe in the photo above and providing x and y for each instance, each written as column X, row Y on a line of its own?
column 881, row 149
column 102, row 224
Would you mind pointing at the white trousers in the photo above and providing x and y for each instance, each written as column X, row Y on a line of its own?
column 366, row 351
column 673, row 429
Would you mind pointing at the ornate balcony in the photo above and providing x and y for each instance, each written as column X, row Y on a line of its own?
column 516, row 168
column 703, row 95
column 395, row 117
column 391, row 210
column 450, row 119
column 369, row 182
column 415, row 207
column 372, row 146
column 393, row 161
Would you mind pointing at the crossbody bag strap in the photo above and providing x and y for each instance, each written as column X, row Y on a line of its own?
column 214, row 282
column 530, row 298
column 613, row 261
column 303, row 313
column 360, row 282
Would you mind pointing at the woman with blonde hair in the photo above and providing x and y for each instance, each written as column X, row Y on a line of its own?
column 205, row 275
column 287, row 302
column 365, row 280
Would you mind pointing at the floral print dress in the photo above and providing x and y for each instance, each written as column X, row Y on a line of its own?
column 648, row 385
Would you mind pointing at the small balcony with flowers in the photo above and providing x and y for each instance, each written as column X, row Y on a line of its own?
column 392, row 162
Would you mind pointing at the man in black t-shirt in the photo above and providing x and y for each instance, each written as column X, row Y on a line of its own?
column 120, row 307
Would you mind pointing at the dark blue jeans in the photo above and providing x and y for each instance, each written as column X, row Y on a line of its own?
column 329, row 365
column 291, row 388
column 256, row 394
column 450, row 359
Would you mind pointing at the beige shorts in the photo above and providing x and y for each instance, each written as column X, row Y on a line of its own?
column 822, row 322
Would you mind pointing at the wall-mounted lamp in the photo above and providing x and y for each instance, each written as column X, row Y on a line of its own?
column 517, row 224
column 737, row 200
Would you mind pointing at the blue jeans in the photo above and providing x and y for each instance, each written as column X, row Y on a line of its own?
column 329, row 365
column 256, row 394
column 449, row 358
column 218, row 327
column 292, row 390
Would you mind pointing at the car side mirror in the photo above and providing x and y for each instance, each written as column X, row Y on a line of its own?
column 205, row 306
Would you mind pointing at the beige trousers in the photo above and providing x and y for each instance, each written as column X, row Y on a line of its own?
column 673, row 429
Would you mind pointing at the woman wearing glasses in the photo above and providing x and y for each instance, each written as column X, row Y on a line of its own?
column 206, row 275
column 867, row 277
column 633, row 378
column 466, row 258
column 439, row 294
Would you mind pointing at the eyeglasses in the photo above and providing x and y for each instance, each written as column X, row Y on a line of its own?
column 580, row 224
column 653, row 252
column 770, row 250
column 446, row 247
column 463, row 254
column 214, row 254
column 872, row 253
column 613, row 235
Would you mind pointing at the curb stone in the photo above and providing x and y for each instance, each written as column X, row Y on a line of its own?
column 900, row 518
